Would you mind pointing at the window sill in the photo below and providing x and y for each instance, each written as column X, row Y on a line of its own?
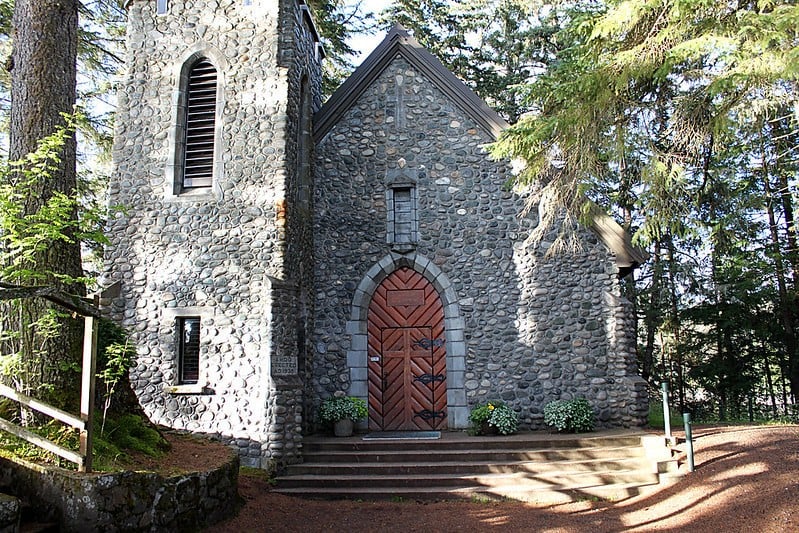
column 193, row 195
column 186, row 389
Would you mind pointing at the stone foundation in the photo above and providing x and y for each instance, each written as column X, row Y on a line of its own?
column 124, row 501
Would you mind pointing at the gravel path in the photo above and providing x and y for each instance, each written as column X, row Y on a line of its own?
column 746, row 479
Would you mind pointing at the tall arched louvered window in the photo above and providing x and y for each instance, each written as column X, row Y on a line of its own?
column 304, row 144
column 200, row 124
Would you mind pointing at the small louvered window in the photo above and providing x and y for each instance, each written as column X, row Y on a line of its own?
column 402, row 215
column 198, row 162
column 188, row 350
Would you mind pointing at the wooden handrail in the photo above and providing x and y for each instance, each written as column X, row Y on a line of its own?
column 48, row 445
column 36, row 405
column 84, row 424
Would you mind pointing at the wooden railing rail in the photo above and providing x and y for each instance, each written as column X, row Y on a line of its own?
column 85, row 422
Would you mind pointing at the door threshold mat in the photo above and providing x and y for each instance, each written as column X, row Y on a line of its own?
column 403, row 435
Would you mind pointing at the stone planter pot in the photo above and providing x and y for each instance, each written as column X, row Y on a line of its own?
column 343, row 428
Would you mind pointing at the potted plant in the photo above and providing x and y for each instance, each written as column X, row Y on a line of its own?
column 342, row 412
column 493, row 418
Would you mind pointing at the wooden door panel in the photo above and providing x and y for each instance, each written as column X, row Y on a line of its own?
column 404, row 395
column 394, row 389
column 420, row 362
column 406, row 354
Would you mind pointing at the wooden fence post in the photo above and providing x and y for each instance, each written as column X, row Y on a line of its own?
column 87, row 390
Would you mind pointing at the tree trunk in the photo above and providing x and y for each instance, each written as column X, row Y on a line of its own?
column 675, row 324
column 652, row 320
column 43, row 83
column 769, row 381
column 793, row 258
column 787, row 301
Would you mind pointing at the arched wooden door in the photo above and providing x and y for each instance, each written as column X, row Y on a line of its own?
column 407, row 355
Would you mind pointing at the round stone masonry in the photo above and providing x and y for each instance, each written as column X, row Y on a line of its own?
column 532, row 327
column 225, row 254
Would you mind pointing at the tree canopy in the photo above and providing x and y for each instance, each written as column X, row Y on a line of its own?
column 681, row 116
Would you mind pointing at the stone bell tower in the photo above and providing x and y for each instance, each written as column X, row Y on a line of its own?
column 213, row 246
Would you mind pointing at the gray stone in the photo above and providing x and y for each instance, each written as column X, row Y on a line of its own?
column 281, row 256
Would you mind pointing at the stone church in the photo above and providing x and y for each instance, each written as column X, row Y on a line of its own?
column 274, row 250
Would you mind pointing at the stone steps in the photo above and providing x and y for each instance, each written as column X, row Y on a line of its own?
column 530, row 480
column 522, row 493
column 461, row 441
column 456, row 467
column 475, row 455
column 527, row 467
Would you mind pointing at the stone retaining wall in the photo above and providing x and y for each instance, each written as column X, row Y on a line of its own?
column 9, row 514
column 124, row 501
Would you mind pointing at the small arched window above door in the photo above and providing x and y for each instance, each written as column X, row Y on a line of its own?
column 402, row 224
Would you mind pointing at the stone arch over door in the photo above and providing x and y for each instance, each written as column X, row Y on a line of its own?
column 454, row 325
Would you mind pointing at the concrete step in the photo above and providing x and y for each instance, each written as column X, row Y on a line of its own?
column 459, row 467
column 478, row 455
column 529, row 480
column 531, row 467
column 317, row 443
column 551, row 495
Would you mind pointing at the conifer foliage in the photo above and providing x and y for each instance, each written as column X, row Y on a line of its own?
column 681, row 116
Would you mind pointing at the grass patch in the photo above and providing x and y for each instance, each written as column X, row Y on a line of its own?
column 125, row 435
column 656, row 420
column 112, row 451
column 257, row 473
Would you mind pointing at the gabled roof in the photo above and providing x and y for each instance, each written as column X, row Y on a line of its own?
column 617, row 239
column 399, row 42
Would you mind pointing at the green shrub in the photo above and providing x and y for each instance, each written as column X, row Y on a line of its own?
column 575, row 416
column 123, row 436
column 494, row 414
column 343, row 408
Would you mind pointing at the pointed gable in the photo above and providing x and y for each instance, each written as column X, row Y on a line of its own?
column 617, row 239
column 398, row 42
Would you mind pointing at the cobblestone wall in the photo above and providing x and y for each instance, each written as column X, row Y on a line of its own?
column 278, row 266
column 124, row 501
column 223, row 253
column 533, row 329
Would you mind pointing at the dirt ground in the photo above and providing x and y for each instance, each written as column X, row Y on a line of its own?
column 746, row 479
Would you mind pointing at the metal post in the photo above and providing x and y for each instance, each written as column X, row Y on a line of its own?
column 666, row 414
column 689, row 440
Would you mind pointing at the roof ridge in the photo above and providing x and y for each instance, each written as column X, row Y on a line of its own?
column 399, row 41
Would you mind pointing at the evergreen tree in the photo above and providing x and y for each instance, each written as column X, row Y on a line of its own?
column 337, row 21
column 660, row 109
column 43, row 88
